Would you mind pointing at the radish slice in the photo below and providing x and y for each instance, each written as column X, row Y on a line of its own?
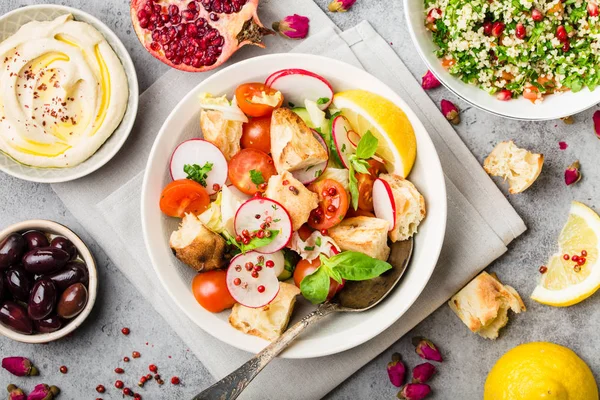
column 199, row 151
column 312, row 173
column 278, row 261
column 298, row 85
column 383, row 202
column 354, row 138
column 341, row 137
column 250, row 282
column 270, row 212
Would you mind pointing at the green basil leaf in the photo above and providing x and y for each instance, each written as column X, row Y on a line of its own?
column 367, row 146
column 256, row 242
column 256, row 177
column 323, row 100
column 198, row 173
column 360, row 166
column 315, row 287
column 356, row 266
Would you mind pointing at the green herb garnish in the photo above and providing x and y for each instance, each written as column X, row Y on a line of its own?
column 198, row 173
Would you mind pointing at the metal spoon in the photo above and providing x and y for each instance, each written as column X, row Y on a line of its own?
column 356, row 297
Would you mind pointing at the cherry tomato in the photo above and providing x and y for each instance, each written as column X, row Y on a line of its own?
column 304, row 268
column 365, row 184
column 184, row 196
column 305, row 231
column 210, row 291
column 257, row 134
column 250, row 169
column 246, row 92
column 333, row 204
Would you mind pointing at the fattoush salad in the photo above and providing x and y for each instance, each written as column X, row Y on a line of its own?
column 292, row 190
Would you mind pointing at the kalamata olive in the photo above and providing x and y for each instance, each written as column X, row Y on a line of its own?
column 12, row 248
column 73, row 272
column 72, row 301
column 65, row 244
column 18, row 283
column 3, row 287
column 45, row 260
column 42, row 299
column 36, row 239
column 51, row 323
column 14, row 316
column 85, row 279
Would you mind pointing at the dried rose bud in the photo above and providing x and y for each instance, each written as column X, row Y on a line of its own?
column 19, row 366
column 450, row 111
column 423, row 372
column 43, row 392
column 596, row 119
column 293, row 26
column 572, row 173
column 396, row 370
column 568, row 120
column 341, row 5
column 414, row 391
column 426, row 349
column 15, row 393
column 429, row 81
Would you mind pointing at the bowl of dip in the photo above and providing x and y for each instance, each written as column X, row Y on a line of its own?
column 69, row 92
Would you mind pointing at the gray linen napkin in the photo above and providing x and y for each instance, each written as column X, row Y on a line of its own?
column 480, row 219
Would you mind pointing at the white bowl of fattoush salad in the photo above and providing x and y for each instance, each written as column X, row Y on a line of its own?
column 522, row 59
column 276, row 181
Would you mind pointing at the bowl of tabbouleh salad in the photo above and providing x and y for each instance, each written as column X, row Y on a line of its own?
column 523, row 59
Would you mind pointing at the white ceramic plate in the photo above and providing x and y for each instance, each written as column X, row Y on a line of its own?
column 553, row 107
column 9, row 24
column 340, row 332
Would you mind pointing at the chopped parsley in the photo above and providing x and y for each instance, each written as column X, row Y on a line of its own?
column 198, row 173
column 323, row 100
column 256, row 177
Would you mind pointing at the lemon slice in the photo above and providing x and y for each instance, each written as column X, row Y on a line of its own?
column 368, row 111
column 566, row 282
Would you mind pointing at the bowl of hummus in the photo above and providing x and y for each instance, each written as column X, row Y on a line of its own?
column 68, row 93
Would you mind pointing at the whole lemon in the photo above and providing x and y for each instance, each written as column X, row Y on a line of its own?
column 540, row 370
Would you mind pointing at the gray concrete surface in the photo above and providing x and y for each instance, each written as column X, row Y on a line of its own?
column 98, row 346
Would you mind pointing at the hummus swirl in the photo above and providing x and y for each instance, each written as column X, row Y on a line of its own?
column 63, row 92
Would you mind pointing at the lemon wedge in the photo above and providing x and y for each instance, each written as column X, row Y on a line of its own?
column 570, row 280
column 368, row 111
column 540, row 370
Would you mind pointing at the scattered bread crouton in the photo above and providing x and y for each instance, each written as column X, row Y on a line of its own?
column 410, row 207
column 298, row 203
column 293, row 145
column 223, row 133
column 484, row 303
column 197, row 246
column 270, row 321
column 364, row 234
column 520, row 167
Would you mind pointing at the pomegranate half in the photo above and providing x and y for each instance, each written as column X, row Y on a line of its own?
column 196, row 36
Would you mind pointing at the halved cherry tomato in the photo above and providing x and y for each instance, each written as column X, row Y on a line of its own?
column 365, row 184
column 257, row 134
column 251, row 164
column 246, row 92
column 184, row 196
column 305, row 231
column 304, row 268
column 333, row 204
column 210, row 291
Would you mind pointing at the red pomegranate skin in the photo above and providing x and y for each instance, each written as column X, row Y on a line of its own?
column 196, row 36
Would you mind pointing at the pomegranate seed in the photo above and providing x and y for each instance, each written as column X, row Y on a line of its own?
column 261, row 259
column 332, row 191
column 136, row 354
column 119, row 370
column 64, row 369
column 431, row 18
column 331, row 208
column 566, row 257
column 125, row 331
column 258, row 195
column 175, row 380
column 262, row 186
column 561, row 33
column 191, row 5
column 520, row 31
column 173, row 10
column 537, row 15
column 137, row 396
column 127, row 392
column 543, row 269
column 258, row 268
column 188, row 15
column 584, row 253
column 270, row 264
column 487, row 28
column 260, row 289
column 246, row 240
column 324, row 232
column 566, row 47
column 257, row 216
column 148, row 377
column 213, row 17
column 581, row 261
column 237, row 281
column 260, row 234
column 245, row 233
column 285, row 182
column 216, row 186
column 592, row 9
column 249, row 265
column 498, row 28
column 294, row 190
column 504, row 95
column 153, row 368
column 238, row 239
column 119, row 384
column 253, row 235
column 254, row 274
column 100, row 389
column 575, row 258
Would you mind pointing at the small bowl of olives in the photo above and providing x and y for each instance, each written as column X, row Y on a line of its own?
column 48, row 281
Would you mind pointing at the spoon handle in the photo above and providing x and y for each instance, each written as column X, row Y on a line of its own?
column 232, row 385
